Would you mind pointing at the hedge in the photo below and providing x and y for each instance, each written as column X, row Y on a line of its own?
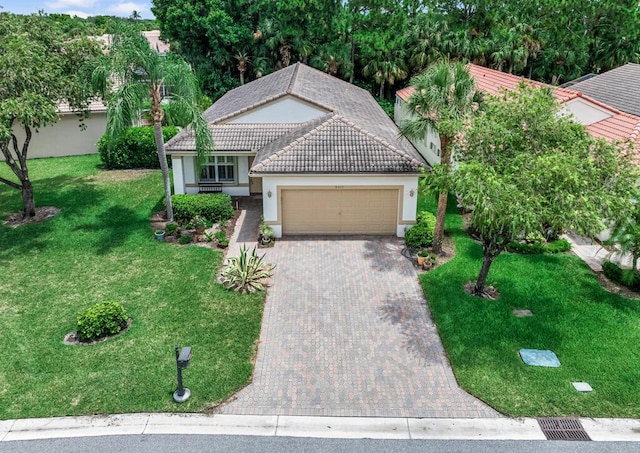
column 558, row 246
column 136, row 148
column 624, row 277
column 216, row 208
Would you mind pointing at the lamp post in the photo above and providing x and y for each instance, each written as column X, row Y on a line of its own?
column 183, row 356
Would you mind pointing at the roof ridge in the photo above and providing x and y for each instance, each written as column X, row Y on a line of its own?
column 247, row 108
column 294, row 76
column 321, row 125
column 378, row 139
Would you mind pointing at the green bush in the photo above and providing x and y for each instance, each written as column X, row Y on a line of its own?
column 624, row 277
column 101, row 320
column 536, row 248
column 185, row 240
column 421, row 234
column 136, row 148
column 171, row 228
column 216, row 208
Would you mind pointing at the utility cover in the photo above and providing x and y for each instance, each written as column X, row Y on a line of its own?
column 582, row 387
column 539, row 357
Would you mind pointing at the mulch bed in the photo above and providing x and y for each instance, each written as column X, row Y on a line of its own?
column 42, row 213
column 159, row 222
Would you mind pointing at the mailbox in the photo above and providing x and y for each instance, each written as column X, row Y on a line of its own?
column 184, row 357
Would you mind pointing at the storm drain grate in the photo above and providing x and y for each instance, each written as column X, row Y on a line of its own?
column 563, row 429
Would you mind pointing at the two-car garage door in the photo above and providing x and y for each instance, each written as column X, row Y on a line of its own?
column 339, row 211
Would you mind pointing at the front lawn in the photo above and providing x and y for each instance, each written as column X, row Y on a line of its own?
column 101, row 247
column 594, row 333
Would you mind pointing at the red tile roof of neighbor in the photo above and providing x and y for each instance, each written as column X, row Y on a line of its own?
column 622, row 127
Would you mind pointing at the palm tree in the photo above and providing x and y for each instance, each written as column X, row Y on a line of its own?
column 131, row 75
column 626, row 235
column 444, row 97
column 387, row 68
column 243, row 63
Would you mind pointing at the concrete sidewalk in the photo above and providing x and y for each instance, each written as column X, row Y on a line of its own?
column 626, row 430
column 594, row 254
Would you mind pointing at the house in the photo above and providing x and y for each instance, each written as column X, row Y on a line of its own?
column 66, row 137
column 601, row 120
column 321, row 152
column 619, row 88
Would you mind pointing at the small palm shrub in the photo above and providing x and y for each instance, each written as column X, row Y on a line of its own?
column 101, row 320
column 245, row 273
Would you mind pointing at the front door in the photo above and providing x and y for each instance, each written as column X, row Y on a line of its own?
column 255, row 184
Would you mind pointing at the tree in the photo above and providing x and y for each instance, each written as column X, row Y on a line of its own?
column 444, row 99
column 39, row 68
column 131, row 75
column 525, row 168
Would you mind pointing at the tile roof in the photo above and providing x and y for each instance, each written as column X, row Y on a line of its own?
column 621, row 126
column 95, row 106
column 234, row 137
column 619, row 88
column 333, row 144
column 358, row 112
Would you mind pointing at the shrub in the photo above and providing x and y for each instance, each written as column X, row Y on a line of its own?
column 559, row 246
column 101, row 320
column 245, row 272
column 215, row 207
column 171, row 228
column 136, row 148
column 625, row 277
column 184, row 240
column 421, row 234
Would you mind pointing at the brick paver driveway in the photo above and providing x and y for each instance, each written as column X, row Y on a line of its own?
column 346, row 332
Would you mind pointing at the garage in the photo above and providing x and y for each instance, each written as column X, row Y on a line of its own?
column 340, row 210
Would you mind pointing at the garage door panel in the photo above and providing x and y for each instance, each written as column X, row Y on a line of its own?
column 339, row 211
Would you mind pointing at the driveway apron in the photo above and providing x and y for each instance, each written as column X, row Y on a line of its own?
column 347, row 332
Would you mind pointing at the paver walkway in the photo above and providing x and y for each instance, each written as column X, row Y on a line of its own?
column 346, row 332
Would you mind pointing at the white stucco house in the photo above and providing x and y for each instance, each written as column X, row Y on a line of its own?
column 601, row 120
column 323, row 155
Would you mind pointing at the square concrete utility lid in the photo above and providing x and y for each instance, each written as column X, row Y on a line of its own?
column 539, row 357
column 582, row 387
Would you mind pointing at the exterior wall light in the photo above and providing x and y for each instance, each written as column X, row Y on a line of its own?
column 412, row 193
column 269, row 193
column 183, row 356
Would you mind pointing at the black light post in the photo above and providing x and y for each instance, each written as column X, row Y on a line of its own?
column 182, row 361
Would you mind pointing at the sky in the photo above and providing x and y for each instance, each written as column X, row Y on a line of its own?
column 80, row 8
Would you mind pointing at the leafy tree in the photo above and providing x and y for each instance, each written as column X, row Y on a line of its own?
column 444, row 98
column 39, row 68
column 525, row 168
column 142, row 75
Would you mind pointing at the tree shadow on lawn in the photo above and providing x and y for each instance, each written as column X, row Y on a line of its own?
column 72, row 195
column 112, row 228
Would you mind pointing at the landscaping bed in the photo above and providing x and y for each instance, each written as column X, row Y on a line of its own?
column 592, row 331
column 99, row 247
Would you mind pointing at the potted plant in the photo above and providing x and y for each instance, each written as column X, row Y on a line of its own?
column 423, row 255
column 221, row 239
column 199, row 223
column 159, row 235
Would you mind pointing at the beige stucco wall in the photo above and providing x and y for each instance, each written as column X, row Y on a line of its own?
column 429, row 146
column 65, row 138
column 408, row 205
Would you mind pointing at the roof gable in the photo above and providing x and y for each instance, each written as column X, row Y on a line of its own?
column 619, row 88
column 332, row 144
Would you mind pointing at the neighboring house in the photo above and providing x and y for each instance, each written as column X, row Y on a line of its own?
column 619, row 88
column 66, row 137
column 601, row 120
column 323, row 154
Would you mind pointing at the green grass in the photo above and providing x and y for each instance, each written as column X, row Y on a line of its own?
column 101, row 247
column 594, row 333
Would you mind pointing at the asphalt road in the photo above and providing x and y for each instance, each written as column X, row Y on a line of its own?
column 245, row 444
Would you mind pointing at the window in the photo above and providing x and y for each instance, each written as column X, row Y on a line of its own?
column 219, row 169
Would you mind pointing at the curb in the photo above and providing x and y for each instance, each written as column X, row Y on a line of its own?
column 599, row 429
